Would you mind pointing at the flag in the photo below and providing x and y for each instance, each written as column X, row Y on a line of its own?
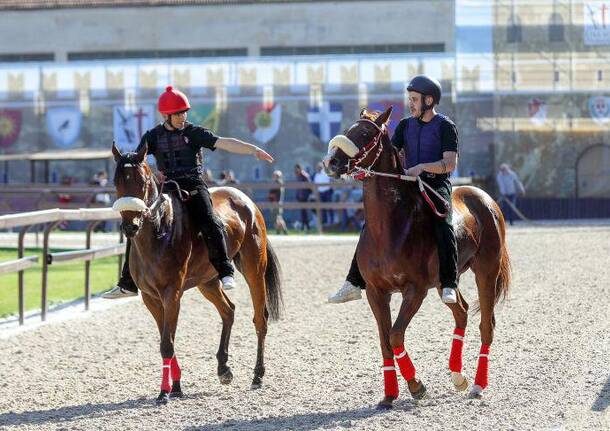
column 325, row 120
column 397, row 111
column 10, row 127
column 264, row 121
column 600, row 109
column 130, row 124
column 64, row 124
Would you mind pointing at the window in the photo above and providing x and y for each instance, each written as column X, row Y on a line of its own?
column 15, row 58
column 353, row 49
column 556, row 76
column 600, row 75
column 145, row 54
column 513, row 30
column 556, row 28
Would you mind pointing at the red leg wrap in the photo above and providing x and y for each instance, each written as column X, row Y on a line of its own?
column 455, row 358
column 166, row 384
column 389, row 378
column 176, row 372
column 483, row 367
column 404, row 363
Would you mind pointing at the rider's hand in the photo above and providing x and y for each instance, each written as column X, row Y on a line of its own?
column 415, row 170
column 263, row 155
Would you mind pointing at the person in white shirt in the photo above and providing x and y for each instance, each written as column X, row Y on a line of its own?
column 326, row 192
column 509, row 187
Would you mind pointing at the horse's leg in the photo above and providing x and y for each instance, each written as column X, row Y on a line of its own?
column 380, row 305
column 412, row 299
column 460, row 314
column 156, row 309
column 226, row 309
column 171, row 310
column 253, row 268
column 486, row 286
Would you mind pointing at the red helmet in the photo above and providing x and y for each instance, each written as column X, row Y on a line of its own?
column 173, row 101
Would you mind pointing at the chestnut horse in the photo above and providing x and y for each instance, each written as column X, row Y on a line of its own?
column 397, row 251
column 169, row 256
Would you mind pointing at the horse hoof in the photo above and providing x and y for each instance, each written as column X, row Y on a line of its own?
column 176, row 390
column 226, row 377
column 421, row 393
column 459, row 381
column 257, row 383
column 476, row 392
column 385, row 404
column 162, row 399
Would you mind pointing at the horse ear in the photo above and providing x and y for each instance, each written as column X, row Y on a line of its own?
column 142, row 152
column 383, row 118
column 116, row 152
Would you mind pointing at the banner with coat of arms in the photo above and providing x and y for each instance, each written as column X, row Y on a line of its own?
column 204, row 115
column 264, row 121
column 600, row 109
column 129, row 125
column 10, row 127
column 64, row 125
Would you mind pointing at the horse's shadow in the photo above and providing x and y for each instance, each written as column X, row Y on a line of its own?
column 301, row 422
column 71, row 413
column 603, row 398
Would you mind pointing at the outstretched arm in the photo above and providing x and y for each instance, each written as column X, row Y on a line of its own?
column 236, row 146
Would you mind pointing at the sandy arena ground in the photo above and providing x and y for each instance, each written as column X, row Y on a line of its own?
column 549, row 361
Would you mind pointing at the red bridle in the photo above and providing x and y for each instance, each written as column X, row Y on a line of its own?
column 355, row 162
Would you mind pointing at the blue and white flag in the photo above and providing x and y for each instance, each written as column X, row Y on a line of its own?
column 325, row 120
column 130, row 124
column 63, row 125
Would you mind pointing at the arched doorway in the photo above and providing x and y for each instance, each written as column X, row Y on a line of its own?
column 593, row 172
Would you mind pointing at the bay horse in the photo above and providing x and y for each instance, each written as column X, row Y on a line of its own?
column 169, row 256
column 397, row 252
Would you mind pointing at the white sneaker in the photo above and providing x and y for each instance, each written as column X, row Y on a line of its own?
column 449, row 296
column 348, row 292
column 228, row 282
column 118, row 292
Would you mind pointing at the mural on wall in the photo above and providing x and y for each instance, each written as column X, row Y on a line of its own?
column 536, row 109
column 10, row 126
column 64, row 125
column 264, row 121
column 130, row 124
column 325, row 120
column 599, row 106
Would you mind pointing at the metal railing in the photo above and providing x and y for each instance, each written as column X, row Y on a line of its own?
column 51, row 219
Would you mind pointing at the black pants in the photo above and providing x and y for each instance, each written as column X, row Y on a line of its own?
column 444, row 236
column 202, row 214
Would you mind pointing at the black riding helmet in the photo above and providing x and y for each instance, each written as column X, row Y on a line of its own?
column 426, row 86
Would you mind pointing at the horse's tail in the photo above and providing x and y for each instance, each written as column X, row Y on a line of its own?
column 275, row 302
column 504, row 277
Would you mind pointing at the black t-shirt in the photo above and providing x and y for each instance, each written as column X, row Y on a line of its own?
column 449, row 136
column 199, row 137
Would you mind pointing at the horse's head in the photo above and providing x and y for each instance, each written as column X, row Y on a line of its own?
column 133, row 179
column 358, row 146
